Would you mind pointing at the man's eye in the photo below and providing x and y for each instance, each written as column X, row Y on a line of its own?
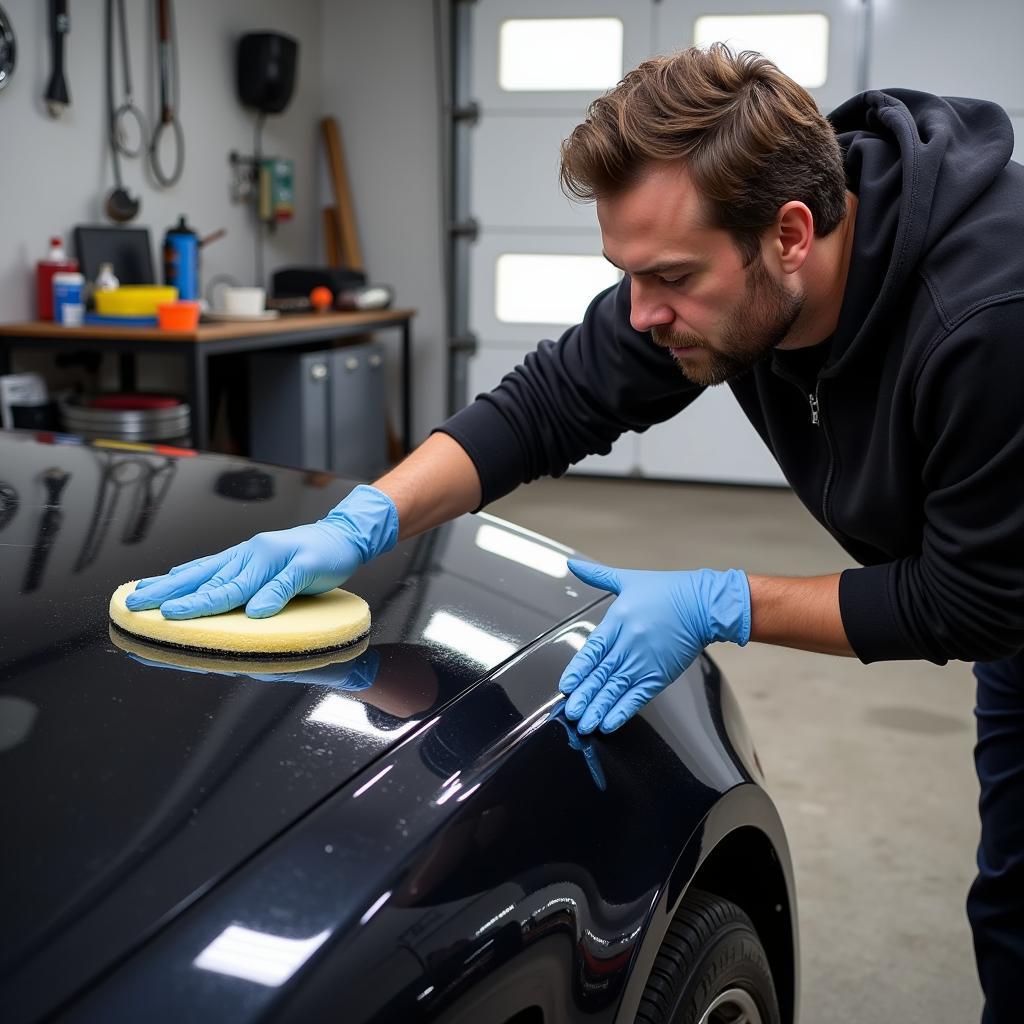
column 674, row 280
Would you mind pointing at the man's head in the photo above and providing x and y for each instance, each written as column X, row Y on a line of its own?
column 713, row 176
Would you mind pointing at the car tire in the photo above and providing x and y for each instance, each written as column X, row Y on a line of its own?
column 711, row 969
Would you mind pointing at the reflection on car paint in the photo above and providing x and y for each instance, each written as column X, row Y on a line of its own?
column 257, row 956
column 351, row 668
column 521, row 549
column 401, row 843
column 168, row 760
column 584, row 744
column 462, row 637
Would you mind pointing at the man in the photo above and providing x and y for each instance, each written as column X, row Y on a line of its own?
column 860, row 286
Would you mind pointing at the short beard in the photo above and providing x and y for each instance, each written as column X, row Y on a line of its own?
column 752, row 330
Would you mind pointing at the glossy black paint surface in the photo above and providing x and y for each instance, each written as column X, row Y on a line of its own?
column 137, row 787
column 485, row 866
column 438, row 845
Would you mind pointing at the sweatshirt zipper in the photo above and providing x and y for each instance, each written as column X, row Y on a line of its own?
column 815, row 408
column 818, row 421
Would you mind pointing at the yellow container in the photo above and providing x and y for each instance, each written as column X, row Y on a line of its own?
column 134, row 299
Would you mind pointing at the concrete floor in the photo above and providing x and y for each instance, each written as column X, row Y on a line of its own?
column 870, row 766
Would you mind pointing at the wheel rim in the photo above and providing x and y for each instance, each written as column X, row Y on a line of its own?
column 735, row 1006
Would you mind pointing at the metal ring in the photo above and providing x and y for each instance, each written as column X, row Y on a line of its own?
column 179, row 153
column 124, row 113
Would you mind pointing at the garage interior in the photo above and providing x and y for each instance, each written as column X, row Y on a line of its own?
column 450, row 192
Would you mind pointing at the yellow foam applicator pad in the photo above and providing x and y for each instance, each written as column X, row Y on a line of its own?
column 305, row 625
column 181, row 657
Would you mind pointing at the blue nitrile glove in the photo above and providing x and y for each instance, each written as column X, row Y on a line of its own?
column 651, row 633
column 267, row 571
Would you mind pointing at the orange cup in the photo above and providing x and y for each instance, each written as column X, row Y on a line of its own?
column 182, row 315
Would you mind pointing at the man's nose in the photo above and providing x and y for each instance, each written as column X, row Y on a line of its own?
column 645, row 310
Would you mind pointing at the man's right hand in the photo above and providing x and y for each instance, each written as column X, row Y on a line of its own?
column 267, row 571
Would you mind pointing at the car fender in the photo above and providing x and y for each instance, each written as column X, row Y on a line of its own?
column 492, row 862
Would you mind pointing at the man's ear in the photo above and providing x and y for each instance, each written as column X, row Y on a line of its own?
column 794, row 235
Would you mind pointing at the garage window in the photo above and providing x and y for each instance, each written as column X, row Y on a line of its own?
column 797, row 43
column 538, row 288
column 559, row 54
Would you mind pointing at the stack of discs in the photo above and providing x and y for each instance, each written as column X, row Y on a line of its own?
column 123, row 416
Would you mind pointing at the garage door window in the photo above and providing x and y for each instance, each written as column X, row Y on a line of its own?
column 559, row 54
column 537, row 288
column 797, row 43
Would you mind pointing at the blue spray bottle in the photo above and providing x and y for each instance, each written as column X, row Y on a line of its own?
column 181, row 260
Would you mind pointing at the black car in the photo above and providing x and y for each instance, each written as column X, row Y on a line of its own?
column 415, row 833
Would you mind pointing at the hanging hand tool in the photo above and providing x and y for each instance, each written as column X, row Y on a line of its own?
column 126, row 124
column 8, row 49
column 57, row 99
column 170, row 96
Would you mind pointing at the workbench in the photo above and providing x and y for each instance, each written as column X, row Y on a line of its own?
column 210, row 339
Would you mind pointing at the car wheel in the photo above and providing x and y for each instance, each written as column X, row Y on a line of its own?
column 711, row 969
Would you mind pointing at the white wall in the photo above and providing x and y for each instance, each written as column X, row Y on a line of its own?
column 56, row 173
column 371, row 65
column 378, row 79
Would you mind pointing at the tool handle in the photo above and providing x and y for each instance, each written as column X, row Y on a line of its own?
column 166, row 110
column 61, row 21
column 60, row 26
column 126, row 65
column 212, row 237
column 163, row 22
column 56, row 95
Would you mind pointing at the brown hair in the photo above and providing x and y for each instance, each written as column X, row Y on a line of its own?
column 750, row 137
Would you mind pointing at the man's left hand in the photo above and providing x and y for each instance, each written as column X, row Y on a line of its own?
column 652, row 632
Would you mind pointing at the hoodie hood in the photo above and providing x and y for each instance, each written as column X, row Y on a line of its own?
column 916, row 162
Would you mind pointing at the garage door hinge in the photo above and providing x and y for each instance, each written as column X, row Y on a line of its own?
column 468, row 112
column 465, row 344
column 468, row 228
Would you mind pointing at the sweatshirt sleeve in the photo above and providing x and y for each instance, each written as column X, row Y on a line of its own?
column 962, row 596
column 570, row 399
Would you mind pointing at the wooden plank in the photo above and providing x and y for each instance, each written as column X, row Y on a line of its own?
column 332, row 236
column 351, row 253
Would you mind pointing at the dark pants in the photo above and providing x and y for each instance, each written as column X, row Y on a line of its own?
column 995, row 904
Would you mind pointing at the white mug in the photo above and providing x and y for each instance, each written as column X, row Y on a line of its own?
column 239, row 301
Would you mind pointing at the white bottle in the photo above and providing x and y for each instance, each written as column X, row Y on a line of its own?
column 106, row 281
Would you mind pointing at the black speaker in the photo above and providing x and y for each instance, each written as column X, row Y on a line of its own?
column 266, row 70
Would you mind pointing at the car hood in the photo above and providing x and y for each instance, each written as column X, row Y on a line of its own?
column 132, row 783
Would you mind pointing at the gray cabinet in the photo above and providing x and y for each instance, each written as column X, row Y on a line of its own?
column 320, row 410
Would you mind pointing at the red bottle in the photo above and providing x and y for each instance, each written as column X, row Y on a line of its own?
column 56, row 261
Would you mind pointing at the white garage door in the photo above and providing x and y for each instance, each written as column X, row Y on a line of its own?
column 536, row 65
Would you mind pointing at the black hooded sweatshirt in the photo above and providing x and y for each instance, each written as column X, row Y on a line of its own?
column 903, row 433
